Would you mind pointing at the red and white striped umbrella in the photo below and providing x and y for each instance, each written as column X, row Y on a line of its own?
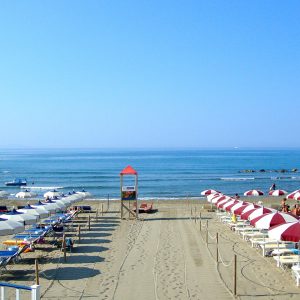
column 213, row 196
column 208, row 192
column 230, row 203
column 268, row 220
column 238, row 205
column 244, row 209
column 253, row 213
column 291, row 195
column 277, row 193
column 220, row 198
column 221, row 203
column 253, row 193
column 286, row 232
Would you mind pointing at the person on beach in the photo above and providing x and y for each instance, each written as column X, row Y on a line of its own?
column 296, row 210
column 236, row 196
column 273, row 187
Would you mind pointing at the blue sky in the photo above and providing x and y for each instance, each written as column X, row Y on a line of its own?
column 150, row 73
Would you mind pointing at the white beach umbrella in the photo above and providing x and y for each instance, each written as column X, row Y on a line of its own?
column 208, row 192
column 52, row 194
column 20, row 217
column 26, row 194
column 61, row 203
column 28, row 209
column 253, row 193
column 3, row 194
column 52, row 206
column 277, row 193
column 10, row 227
column 44, row 207
column 230, row 203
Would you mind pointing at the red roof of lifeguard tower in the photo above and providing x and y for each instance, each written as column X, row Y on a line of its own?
column 129, row 170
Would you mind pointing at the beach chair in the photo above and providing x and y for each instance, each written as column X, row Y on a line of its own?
column 247, row 235
column 7, row 257
column 296, row 273
column 269, row 247
column 285, row 261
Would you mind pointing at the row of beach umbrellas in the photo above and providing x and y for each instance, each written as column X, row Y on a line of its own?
column 14, row 221
column 277, row 193
column 280, row 225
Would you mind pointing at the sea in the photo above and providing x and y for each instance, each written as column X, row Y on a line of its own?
column 162, row 174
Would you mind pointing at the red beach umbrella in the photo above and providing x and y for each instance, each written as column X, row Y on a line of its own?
column 253, row 193
column 230, row 204
column 277, row 193
column 253, row 213
column 220, row 198
column 221, row 203
column 268, row 220
column 208, row 192
column 247, row 207
column 238, row 205
column 293, row 194
column 213, row 196
column 286, row 232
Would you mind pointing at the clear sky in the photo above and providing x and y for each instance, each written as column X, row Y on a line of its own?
column 150, row 73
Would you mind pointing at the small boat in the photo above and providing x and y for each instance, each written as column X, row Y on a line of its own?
column 16, row 182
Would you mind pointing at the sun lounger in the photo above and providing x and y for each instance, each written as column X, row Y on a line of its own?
column 268, row 247
column 255, row 242
column 285, row 251
column 7, row 258
column 247, row 235
column 286, row 260
column 296, row 273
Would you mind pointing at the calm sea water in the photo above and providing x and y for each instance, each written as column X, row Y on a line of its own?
column 162, row 174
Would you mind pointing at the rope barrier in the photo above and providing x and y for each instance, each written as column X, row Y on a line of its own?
column 212, row 237
column 223, row 263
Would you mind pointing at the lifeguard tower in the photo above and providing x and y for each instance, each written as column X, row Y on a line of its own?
column 129, row 193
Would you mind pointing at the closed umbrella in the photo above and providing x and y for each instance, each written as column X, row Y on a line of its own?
column 253, row 193
column 268, row 220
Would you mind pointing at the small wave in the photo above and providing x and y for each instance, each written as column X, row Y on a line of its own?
column 5, row 172
column 237, row 178
column 42, row 187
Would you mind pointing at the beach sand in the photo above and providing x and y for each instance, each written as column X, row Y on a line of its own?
column 161, row 256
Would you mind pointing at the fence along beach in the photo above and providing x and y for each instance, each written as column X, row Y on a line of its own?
column 164, row 255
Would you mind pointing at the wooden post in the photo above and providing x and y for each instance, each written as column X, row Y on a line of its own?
column 200, row 220
column 234, row 274
column 191, row 217
column 37, row 279
column 89, row 222
column 217, row 243
column 97, row 213
column 102, row 209
column 79, row 232
column 64, row 247
column 195, row 215
column 206, row 237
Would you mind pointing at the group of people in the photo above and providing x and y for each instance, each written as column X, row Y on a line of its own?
column 285, row 207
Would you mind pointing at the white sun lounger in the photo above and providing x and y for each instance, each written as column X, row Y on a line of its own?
column 271, row 246
column 286, row 260
column 296, row 273
column 251, row 235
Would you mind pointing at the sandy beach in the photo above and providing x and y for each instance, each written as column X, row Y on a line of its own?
column 161, row 256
